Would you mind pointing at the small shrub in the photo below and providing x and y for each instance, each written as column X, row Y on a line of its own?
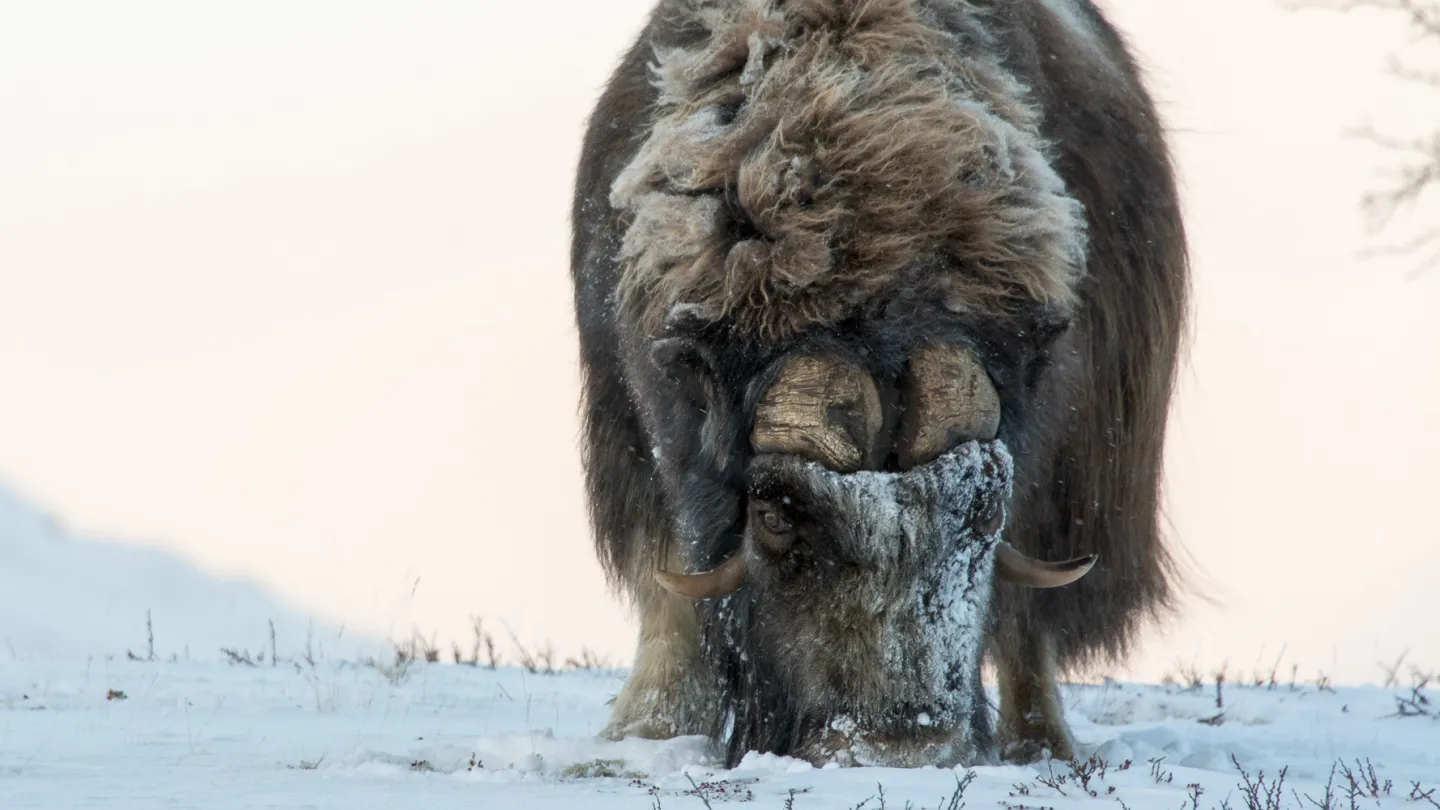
column 588, row 661
column 482, row 643
column 1256, row 793
column 724, row 790
column 240, row 657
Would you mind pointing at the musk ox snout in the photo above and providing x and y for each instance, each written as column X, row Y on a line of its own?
column 871, row 592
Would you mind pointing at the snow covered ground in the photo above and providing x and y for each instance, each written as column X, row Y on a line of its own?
column 126, row 734
column 85, row 724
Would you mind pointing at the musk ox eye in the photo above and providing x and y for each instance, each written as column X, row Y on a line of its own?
column 775, row 533
column 774, row 523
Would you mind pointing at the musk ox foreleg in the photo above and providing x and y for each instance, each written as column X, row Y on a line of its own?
column 667, row 694
column 1032, row 719
column 633, row 537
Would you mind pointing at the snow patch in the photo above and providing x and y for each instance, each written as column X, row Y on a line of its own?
column 541, row 756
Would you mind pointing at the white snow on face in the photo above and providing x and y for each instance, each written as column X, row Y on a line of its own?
column 924, row 511
column 889, row 628
column 920, row 527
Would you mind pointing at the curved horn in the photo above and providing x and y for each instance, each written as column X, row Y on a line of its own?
column 950, row 400
column 723, row 580
column 823, row 409
column 1012, row 565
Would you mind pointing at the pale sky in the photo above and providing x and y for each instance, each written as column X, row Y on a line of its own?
column 284, row 287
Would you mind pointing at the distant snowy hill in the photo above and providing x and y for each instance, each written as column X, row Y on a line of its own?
column 63, row 596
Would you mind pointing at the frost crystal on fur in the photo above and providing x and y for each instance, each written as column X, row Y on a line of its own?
column 811, row 158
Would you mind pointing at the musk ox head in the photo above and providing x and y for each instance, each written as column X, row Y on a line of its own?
column 865, row 570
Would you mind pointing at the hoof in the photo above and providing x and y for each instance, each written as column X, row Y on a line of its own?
column 641, row 728
column 1038, row 745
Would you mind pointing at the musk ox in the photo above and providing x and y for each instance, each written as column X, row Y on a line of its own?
column 879, row 305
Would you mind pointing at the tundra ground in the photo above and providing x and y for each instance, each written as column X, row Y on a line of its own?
column 122, row 733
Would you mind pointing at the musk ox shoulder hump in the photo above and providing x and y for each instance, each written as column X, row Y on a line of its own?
column 807, row 158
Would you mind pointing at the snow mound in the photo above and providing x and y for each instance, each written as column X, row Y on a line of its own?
column 540, row 756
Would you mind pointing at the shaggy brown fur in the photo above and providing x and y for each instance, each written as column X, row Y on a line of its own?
column 806, row 161
column 860, row 176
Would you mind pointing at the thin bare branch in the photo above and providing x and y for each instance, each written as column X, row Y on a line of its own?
column 1404, row 72
column 1419, row 169
column 1423, row 15
column 1425, row 265
column 1405, row 248
column 1382, row 206
column 1368, row 132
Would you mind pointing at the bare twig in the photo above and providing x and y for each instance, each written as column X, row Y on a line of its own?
column 1421, row 14
column 1405, row 248
column 1159, row 774
column 1420, row 172
column 1327, row 800
column 240, row 657
column 1257, row 794
column 588, row 661
column 308, row 656
column 1417, row 703
column 1404, row 72
column 539, row 662
column 957, row 798
column 1392, row 678
column 1269, row 682
column 149, row 642
column 702, row 795
column 1194, row 791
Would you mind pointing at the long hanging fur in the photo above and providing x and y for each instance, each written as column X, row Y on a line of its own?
column 807, row 159
column 775, row 172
